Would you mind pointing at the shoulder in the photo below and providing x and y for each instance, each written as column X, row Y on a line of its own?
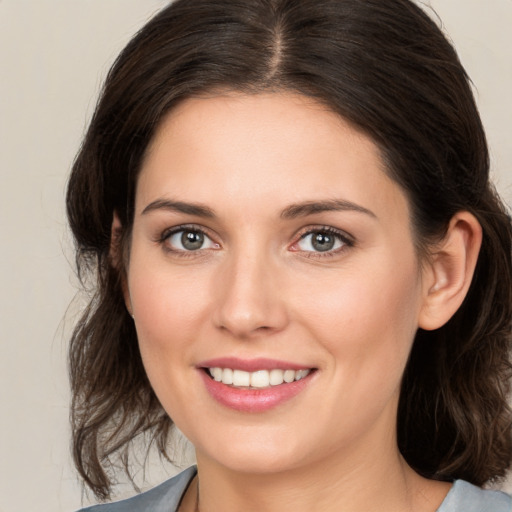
column 163, row 498
column 465, row 497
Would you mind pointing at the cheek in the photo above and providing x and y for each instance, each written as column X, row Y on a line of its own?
column 168, row 312
column 367, row 319
column 367, row 326
column 168, row 308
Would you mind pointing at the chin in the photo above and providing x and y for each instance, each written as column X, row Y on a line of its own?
column 254, row 452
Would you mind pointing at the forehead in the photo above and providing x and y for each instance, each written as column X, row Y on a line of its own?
column 281, row 120
column 266, row 149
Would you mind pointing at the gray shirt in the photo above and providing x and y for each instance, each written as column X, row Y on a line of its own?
column 463, row 497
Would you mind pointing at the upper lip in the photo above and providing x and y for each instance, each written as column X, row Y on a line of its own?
column 251, row 365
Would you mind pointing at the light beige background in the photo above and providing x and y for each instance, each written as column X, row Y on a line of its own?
column 53, row 56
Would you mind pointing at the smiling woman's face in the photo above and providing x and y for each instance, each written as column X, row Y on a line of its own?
column 269, row 246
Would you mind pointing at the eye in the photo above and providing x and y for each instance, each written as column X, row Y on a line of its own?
column 322, row 241
column 188, row 239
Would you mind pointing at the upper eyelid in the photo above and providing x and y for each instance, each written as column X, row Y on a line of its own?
column 301, row 233
column 163, row 240
column 329, row 229
column 166, row 233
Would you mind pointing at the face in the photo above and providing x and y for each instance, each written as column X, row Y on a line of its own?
column 274, row 282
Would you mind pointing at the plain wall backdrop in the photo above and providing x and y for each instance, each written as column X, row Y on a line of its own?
column 53, row 56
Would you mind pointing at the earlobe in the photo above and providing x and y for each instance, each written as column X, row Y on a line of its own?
column 450, row 271
column 116, row 258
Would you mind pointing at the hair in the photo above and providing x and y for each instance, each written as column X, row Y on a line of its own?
column 386, row 68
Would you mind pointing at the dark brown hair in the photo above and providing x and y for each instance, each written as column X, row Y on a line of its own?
column 384, row 66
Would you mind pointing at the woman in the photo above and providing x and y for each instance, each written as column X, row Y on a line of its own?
column 300, row 263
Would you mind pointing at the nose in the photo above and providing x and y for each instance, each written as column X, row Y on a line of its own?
column 249, row 297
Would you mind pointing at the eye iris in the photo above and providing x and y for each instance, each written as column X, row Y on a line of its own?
column 323, row 242
column 192, row 240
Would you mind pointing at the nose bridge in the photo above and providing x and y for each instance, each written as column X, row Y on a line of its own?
column 247, row 295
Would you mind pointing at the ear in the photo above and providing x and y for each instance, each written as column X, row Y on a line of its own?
column 448, row 274
column 116, row 258
column 116, row 233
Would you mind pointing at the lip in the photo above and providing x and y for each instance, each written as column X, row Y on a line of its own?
column 252, row 400
column 250, row 365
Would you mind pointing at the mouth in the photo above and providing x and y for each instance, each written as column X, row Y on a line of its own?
column 260, row 379
column 255, row 385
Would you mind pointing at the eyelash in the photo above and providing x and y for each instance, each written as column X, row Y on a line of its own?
column 346, row 240
column 168, row 233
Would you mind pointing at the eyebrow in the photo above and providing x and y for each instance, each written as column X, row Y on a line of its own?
column 311, row 207
column 290, row 212
column 198, row 210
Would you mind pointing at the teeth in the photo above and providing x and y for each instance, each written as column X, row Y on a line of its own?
column 258, row 379
column 217, row 374
column 227, row 376
column 289, row 376
column 240, row 378
column 276, row 377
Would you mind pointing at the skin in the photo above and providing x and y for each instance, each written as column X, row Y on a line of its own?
column 257, row 288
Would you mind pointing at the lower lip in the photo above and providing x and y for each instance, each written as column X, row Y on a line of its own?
column 253, row 400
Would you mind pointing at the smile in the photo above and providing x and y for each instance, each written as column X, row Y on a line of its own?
column 254, row 385
column 259, row 379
